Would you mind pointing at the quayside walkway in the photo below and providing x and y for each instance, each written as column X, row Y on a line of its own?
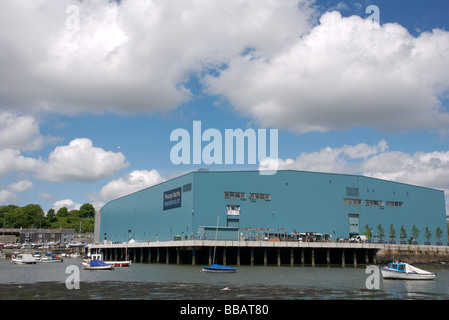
column 242, row 252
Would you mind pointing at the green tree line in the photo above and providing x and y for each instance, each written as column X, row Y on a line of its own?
column 32, row 216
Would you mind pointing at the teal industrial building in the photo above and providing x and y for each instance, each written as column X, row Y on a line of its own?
column 285, row 205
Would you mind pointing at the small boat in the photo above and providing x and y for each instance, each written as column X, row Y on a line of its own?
column 218, row 268
column 49, row 257
column 24, row 258
column 99, row 256
column 405, row 271
column 75, row 255
column 98, row 265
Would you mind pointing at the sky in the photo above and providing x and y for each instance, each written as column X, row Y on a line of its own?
column 91, row 91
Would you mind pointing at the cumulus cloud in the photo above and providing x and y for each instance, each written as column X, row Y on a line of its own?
column 13, row 160
column 19, row 132
column 420, row 168
column 20, row 186
column 133, row 56
column 344, row 74
column 80, row 161
column 69, row 204
column 129, row 183
column 7, row 197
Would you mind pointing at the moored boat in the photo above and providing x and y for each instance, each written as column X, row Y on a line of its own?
column 405, row 271
column 99, row 256
column 50, row 257
column 24, row 258
column 218, row 268
column 98, row 265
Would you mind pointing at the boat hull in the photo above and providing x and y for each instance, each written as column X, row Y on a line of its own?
column 109, row 267
column 218, row 269
column 23, row 262
column 393, row 274
column 51, row 260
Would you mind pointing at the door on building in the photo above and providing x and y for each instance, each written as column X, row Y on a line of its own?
column 353, row 224
column 233, row 215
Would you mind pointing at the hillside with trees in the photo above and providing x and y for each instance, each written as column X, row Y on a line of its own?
column 32, row 216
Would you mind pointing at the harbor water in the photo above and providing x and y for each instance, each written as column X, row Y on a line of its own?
column 56, row 281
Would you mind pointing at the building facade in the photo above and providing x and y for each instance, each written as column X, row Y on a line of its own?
column 47, row 236
column 232, row 205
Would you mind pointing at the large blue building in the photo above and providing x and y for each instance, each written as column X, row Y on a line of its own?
column 248, row 204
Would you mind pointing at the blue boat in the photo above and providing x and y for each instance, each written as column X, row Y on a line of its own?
column 98, row 265
column 218, row 268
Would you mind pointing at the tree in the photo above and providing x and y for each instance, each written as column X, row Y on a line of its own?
column 368, row 231
column 402, row 233
column 51, row 216
column 87, row 211
column 415, row 232
column 381, row 232
column 62, row 212
column 392, row 232
column 438, row 234
column 427, row 234
column 28, row 216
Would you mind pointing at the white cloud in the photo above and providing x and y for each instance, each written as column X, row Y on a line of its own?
column 20, row 186
column 69, row 204
column 132, row 57
column 429, row 169
column 19, row 132
column 344, row 74
column 80, row 161
column 129, row 183
column 13, row 160
column 329, row 159
column 7, row 197
column 426, row 169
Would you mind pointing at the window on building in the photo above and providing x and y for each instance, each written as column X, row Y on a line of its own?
column 233, row 210
column 187, row 187
column 259, row 196
column 395, row 204
column 352, row 192
column 352, row 201
column 240, row 195
column 374, row 203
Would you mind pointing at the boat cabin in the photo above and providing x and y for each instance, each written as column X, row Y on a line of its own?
column 397, row 266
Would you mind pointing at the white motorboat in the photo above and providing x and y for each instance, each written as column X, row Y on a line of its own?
column 405, row 271
column 24, row 258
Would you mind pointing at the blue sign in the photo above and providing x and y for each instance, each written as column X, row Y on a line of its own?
column 172, row 199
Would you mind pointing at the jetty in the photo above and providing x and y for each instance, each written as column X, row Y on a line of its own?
column 266, row 253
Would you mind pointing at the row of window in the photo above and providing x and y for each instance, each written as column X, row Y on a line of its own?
column 379, row 203
column 354, row 192
column 252, row 196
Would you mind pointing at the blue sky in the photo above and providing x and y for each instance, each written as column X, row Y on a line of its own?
column 92, row 90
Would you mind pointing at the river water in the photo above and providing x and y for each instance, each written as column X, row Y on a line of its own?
column 55, row 281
